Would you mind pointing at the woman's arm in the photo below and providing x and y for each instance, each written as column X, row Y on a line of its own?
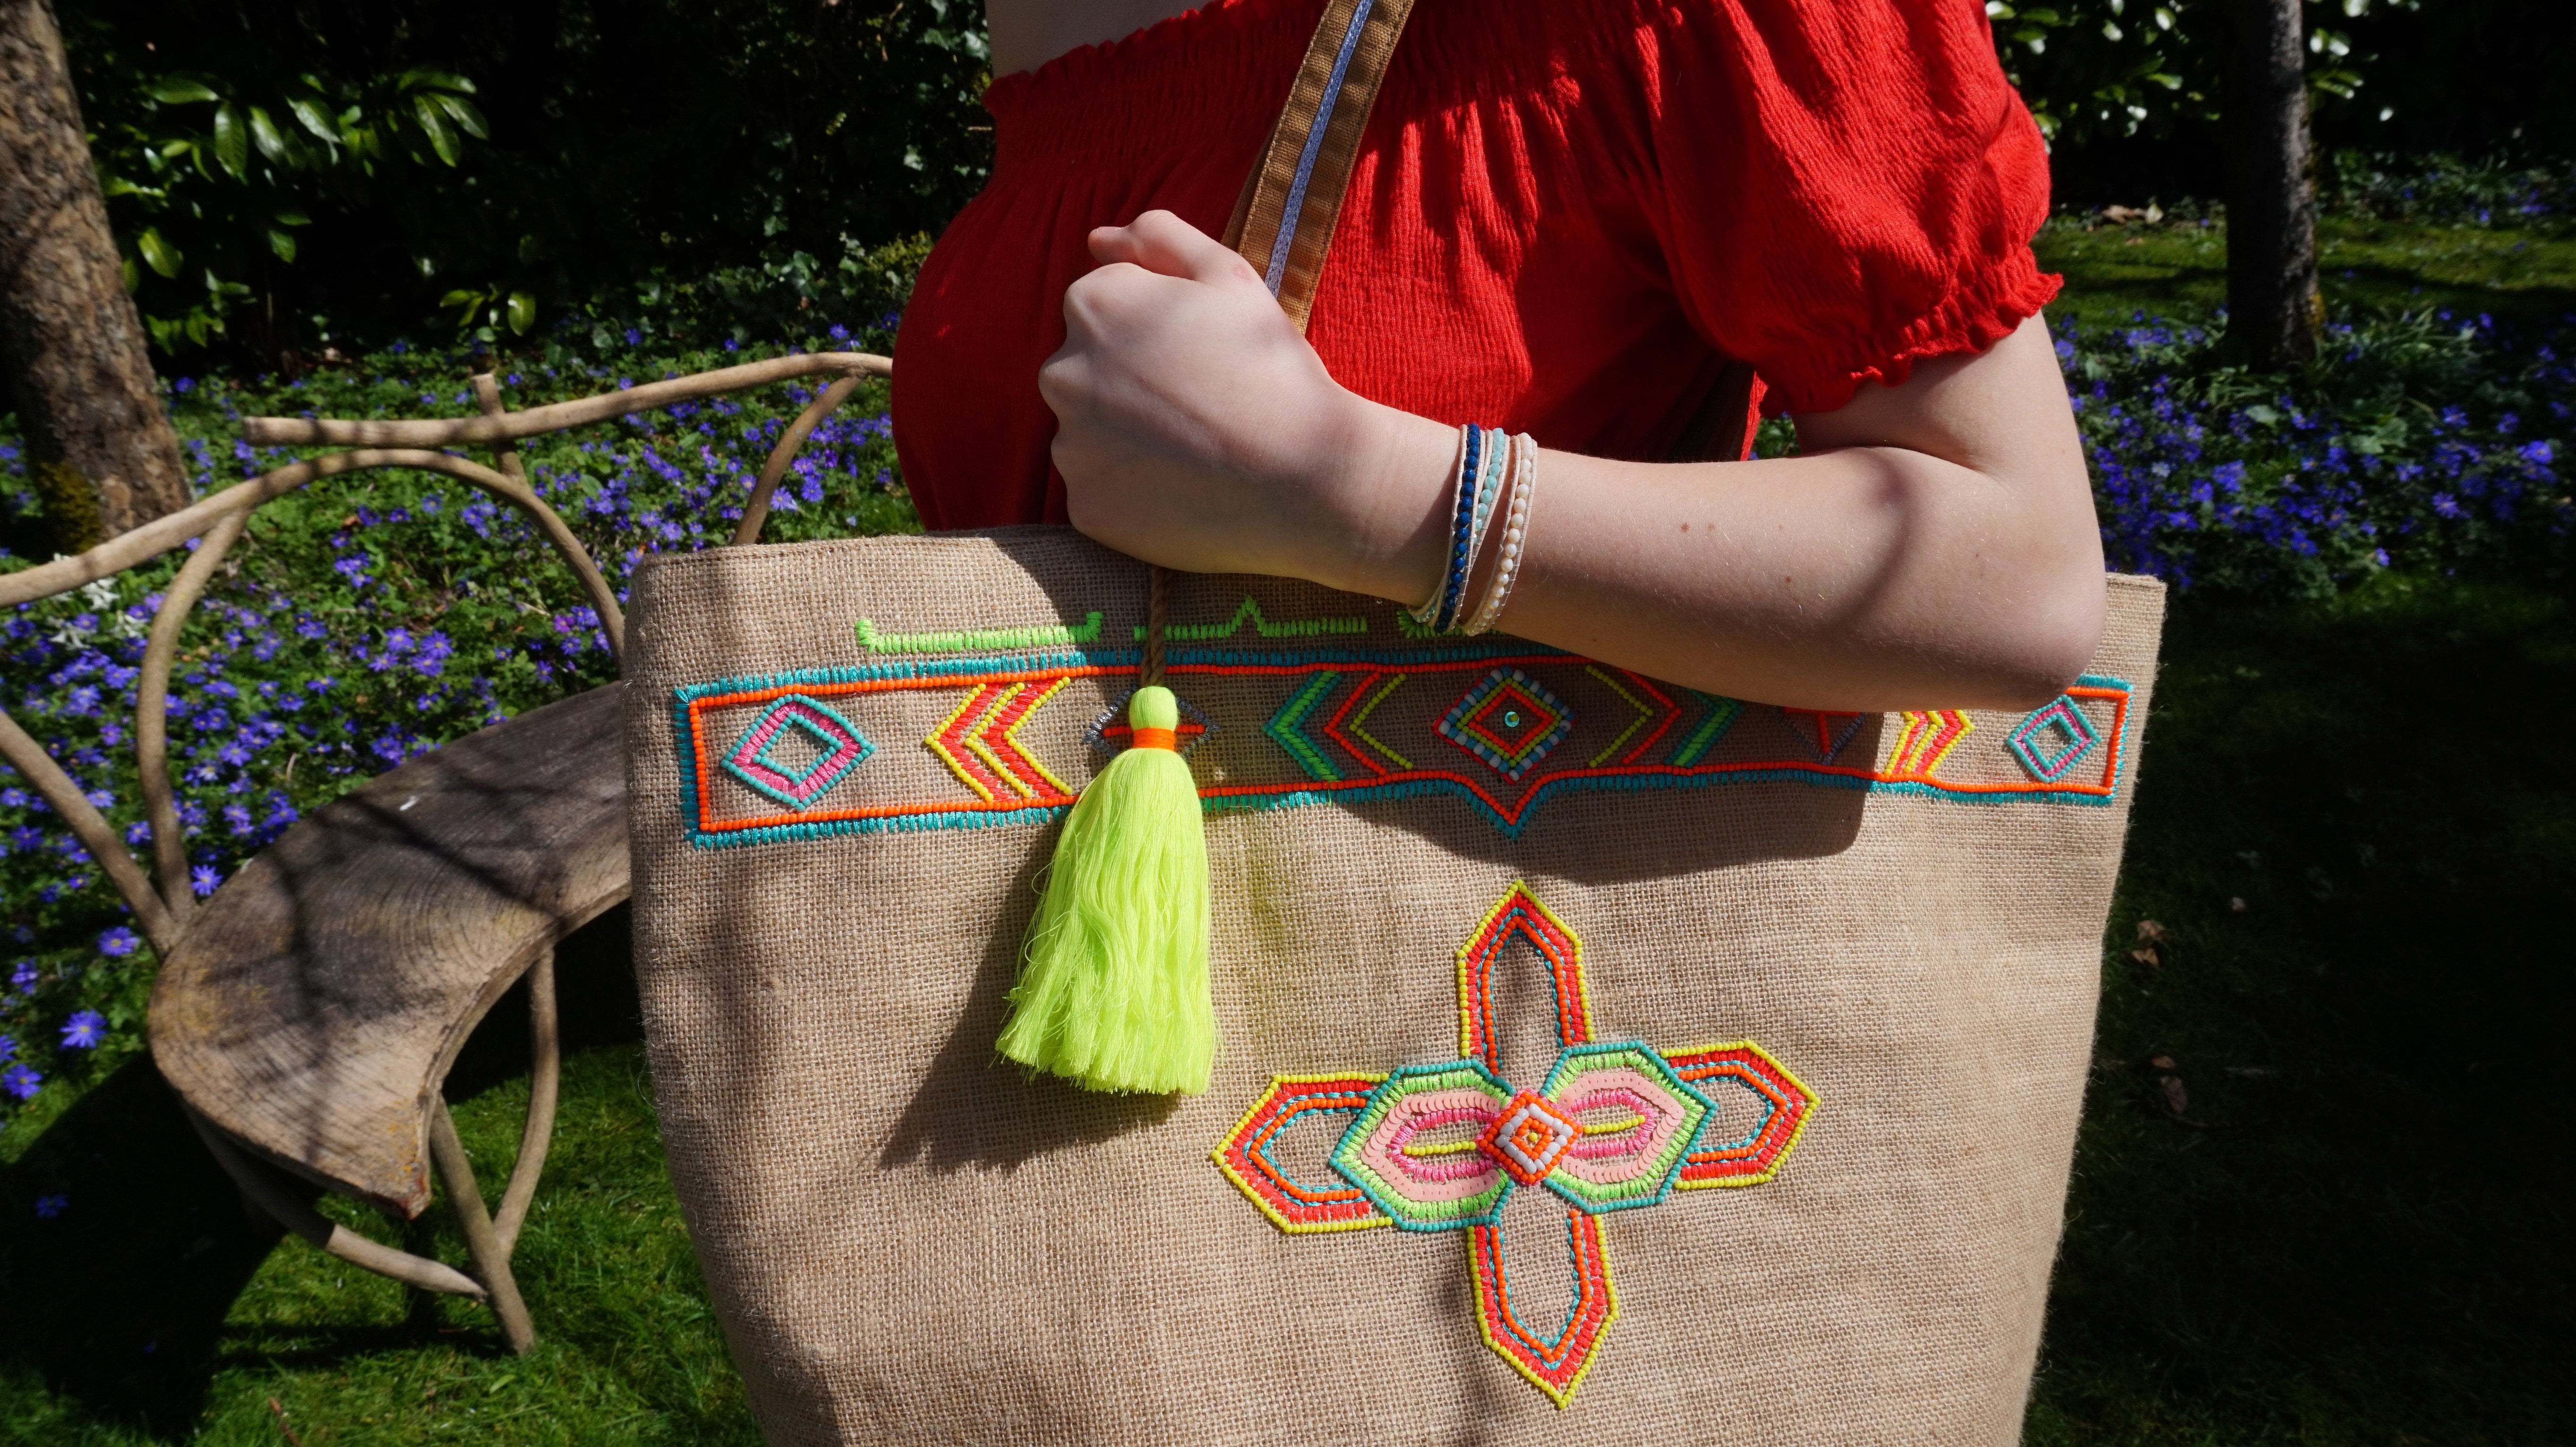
column 1934, row 546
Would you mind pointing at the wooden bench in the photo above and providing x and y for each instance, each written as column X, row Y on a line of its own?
column 307, row 1014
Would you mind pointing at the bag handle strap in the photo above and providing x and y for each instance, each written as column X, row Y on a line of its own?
column 1283, row 223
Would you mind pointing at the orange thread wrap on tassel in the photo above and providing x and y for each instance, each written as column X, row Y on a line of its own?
column 1157, row 739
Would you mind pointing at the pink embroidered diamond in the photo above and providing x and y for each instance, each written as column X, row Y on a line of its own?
column 836, row 748
column 1529, row 1137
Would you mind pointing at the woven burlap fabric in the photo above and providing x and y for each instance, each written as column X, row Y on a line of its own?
column 909, row 1240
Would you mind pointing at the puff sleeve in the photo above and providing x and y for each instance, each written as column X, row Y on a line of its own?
column 1847, row 187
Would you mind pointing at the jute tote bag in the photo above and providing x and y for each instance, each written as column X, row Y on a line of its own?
column 1597, row 1056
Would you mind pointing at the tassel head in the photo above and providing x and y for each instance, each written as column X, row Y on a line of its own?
column 1113, row 988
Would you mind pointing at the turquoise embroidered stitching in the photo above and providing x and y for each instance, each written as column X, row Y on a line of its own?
column 1284, row 726
column 1721, row 716
column 1035, row 815
column 796, row 791
column 2069, row 720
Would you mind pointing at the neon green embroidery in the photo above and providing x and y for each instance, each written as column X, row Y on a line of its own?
column 1643, row 713
column 1359, row 723
column 1251, row 612
column 1042, row 635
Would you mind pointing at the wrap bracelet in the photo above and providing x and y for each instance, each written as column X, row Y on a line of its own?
column 1507, row 561
column 1471, row 508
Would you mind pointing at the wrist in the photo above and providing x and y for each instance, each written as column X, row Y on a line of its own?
column 1390, row 499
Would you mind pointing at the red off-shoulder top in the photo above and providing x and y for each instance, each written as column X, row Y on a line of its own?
column 1566, row 217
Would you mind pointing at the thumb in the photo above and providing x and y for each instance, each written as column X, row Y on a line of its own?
column 1163, row 243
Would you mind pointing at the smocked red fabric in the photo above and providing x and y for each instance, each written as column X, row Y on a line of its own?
column 1567, row 215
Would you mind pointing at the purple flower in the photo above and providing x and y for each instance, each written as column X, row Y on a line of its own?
column 21, row 1082
column 48, row 1207
column 118, row 940
column 23, row 980
column 8, row 1048
column 84, row 1030
column 203, row 879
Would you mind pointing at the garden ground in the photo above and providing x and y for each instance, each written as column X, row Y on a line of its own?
column 2320, row 1194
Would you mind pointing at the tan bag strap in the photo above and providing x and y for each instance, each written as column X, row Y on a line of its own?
column 1283, row 224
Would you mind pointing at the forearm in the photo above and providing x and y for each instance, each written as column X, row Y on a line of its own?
column 1932, row 546
column 1864, row 578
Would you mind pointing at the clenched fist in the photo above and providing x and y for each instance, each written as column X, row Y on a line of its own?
column 1196, row 429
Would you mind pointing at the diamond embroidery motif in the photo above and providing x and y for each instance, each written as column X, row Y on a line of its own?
column 1508, row 720
column 1529, row 1138
column 1618, row 1125
column 838, row 749
column 2053, row 740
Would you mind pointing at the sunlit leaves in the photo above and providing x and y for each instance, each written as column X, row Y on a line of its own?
column 232, row 141
column 172, row 90
column 234, row 168
column 158, row 253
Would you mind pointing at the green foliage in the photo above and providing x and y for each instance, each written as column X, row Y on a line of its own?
column 2353, row 961
column 2096, row 68
column 193, row 166
column 290, row 176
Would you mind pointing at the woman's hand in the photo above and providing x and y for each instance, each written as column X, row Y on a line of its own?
column 1196, row 429
column 1934, row 545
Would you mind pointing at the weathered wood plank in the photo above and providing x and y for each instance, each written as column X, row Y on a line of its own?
column 318, row 999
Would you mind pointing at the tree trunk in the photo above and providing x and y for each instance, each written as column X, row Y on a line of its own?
column 71, row 345
column 2272, row 300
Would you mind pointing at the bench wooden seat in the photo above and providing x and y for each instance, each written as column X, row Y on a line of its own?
column 315, row 1004
column 308, row 1014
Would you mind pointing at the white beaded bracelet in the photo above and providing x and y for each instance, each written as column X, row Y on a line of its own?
column 1507, row 563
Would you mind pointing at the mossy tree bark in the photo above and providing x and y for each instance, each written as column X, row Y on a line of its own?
column 72, row 348
column 2273, row 305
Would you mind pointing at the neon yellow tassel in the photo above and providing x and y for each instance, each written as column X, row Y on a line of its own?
column 1113, row 990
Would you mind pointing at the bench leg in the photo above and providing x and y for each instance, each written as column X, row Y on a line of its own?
column 491, row 1257
column 545, row 1075
column 260, row 1186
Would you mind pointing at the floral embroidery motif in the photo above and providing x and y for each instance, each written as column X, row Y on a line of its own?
column 1617, row 1125
column 839, row 750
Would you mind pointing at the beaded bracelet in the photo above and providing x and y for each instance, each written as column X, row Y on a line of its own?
column 1507, row 562
column 1471, row 507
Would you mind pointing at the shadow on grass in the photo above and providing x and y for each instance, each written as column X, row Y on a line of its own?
column 2355, row 1230
column 118, row 1302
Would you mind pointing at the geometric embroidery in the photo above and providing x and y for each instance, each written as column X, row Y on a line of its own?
column 1828, row 732
column 1293, row 1205
column 1927, row 739
column 1617, row 1125
column 980, row 741
column 1508, row 721
column 1721, row 716
column 1346, row 735
column 2048, row 758
column 1287, row 727
column 839, row 750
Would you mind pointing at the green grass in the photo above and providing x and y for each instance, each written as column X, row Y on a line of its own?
column 2356, row 1232
column 2179, row 268
column 153, row 1310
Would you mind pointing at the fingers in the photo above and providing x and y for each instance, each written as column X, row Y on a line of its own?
column 1164, row 244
